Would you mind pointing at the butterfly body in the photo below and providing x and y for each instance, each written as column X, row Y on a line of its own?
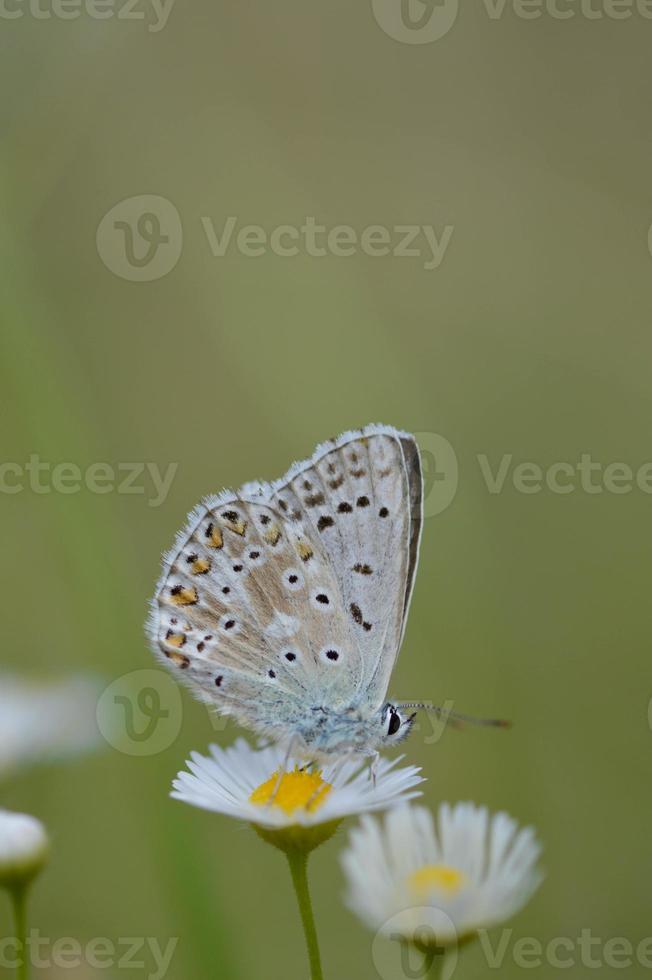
column 341, row 733
column 284, row 604
column 320, row 733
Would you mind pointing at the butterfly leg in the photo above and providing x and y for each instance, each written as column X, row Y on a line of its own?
column 292, row 745
column 373, row 768
column 337, row 769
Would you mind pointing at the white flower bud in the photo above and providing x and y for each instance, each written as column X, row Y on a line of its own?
column 24, row 848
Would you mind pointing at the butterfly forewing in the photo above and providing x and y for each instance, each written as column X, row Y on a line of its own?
column 355, row 497
column 249, row 609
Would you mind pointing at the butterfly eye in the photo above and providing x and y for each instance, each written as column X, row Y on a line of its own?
column 394, row 723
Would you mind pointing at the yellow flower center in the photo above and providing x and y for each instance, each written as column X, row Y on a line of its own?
column 436, row 878
column 298, row 790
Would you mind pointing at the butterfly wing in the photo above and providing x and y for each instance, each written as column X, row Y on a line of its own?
column 290, row 595
column 248, row 610
column 361, row 497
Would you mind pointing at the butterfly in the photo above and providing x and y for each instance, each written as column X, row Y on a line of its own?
column 284, row 604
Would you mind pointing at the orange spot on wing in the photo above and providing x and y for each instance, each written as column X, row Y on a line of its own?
column 273, row 535
column 183, row 596
column 201, row 566
column 215, row 537
column 175, row 639
column 305, row 551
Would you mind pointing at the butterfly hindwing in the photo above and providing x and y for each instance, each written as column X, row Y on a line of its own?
column 250, row 611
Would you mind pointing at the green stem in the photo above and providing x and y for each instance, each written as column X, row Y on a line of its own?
column 433, row 960
column 298, row 861
column 19, row 903
column 436, row 967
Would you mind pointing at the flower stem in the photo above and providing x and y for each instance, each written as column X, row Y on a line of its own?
column 298, row 861
column 437, row 965
column 19, row 904
column 436, row 968
column 433, row 960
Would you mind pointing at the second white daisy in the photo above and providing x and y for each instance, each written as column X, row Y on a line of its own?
column 415, row 879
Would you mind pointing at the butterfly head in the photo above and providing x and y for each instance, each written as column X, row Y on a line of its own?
column 395, row 724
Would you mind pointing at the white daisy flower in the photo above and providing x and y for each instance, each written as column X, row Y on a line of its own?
column 24, row 847
column 416, row 880
column 243, row 782
column 45, row 721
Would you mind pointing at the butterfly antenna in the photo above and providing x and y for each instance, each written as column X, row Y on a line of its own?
column 459, row 720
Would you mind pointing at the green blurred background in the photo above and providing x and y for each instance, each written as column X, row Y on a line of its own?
column 532, row 338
